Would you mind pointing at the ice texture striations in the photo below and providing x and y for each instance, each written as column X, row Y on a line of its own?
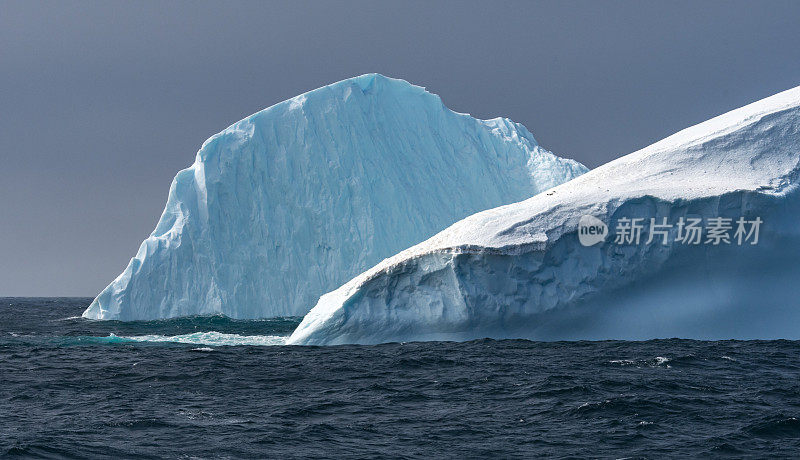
column 519, row 271
column 296, row 199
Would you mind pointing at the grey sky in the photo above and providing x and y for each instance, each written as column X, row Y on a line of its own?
column 102, row 102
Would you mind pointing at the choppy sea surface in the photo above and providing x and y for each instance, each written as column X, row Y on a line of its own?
column 218, row 388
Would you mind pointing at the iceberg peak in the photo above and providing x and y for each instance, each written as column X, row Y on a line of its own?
column 295, row 199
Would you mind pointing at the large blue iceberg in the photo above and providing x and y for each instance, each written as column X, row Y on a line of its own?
column 566, row 264
column 294, row 200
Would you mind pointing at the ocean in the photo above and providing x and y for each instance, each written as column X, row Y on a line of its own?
column 219, row 388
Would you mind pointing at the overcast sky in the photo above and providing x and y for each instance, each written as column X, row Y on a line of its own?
column 101, row 103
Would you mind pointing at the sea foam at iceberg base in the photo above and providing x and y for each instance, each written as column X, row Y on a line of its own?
column 294, row 200
column 521, row 271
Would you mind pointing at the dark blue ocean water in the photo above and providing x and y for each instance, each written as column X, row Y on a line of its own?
column 76, row 388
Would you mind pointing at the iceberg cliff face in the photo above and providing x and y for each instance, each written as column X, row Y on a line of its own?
column 294, row 200
column 520, row 271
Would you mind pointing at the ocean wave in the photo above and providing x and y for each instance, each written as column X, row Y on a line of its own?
column 211, row 338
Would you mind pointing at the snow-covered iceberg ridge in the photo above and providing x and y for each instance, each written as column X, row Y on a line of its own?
column 294, row 200
column 520, row 271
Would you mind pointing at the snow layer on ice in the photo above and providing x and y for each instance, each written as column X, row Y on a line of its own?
column 519, row 271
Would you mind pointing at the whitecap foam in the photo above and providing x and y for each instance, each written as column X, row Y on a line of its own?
column 212, row 338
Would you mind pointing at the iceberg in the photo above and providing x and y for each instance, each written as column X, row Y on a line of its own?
column 564, row 265
column 296, row 199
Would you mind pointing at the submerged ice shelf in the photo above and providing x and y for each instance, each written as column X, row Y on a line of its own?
column 294, row 200
column 519, row 271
